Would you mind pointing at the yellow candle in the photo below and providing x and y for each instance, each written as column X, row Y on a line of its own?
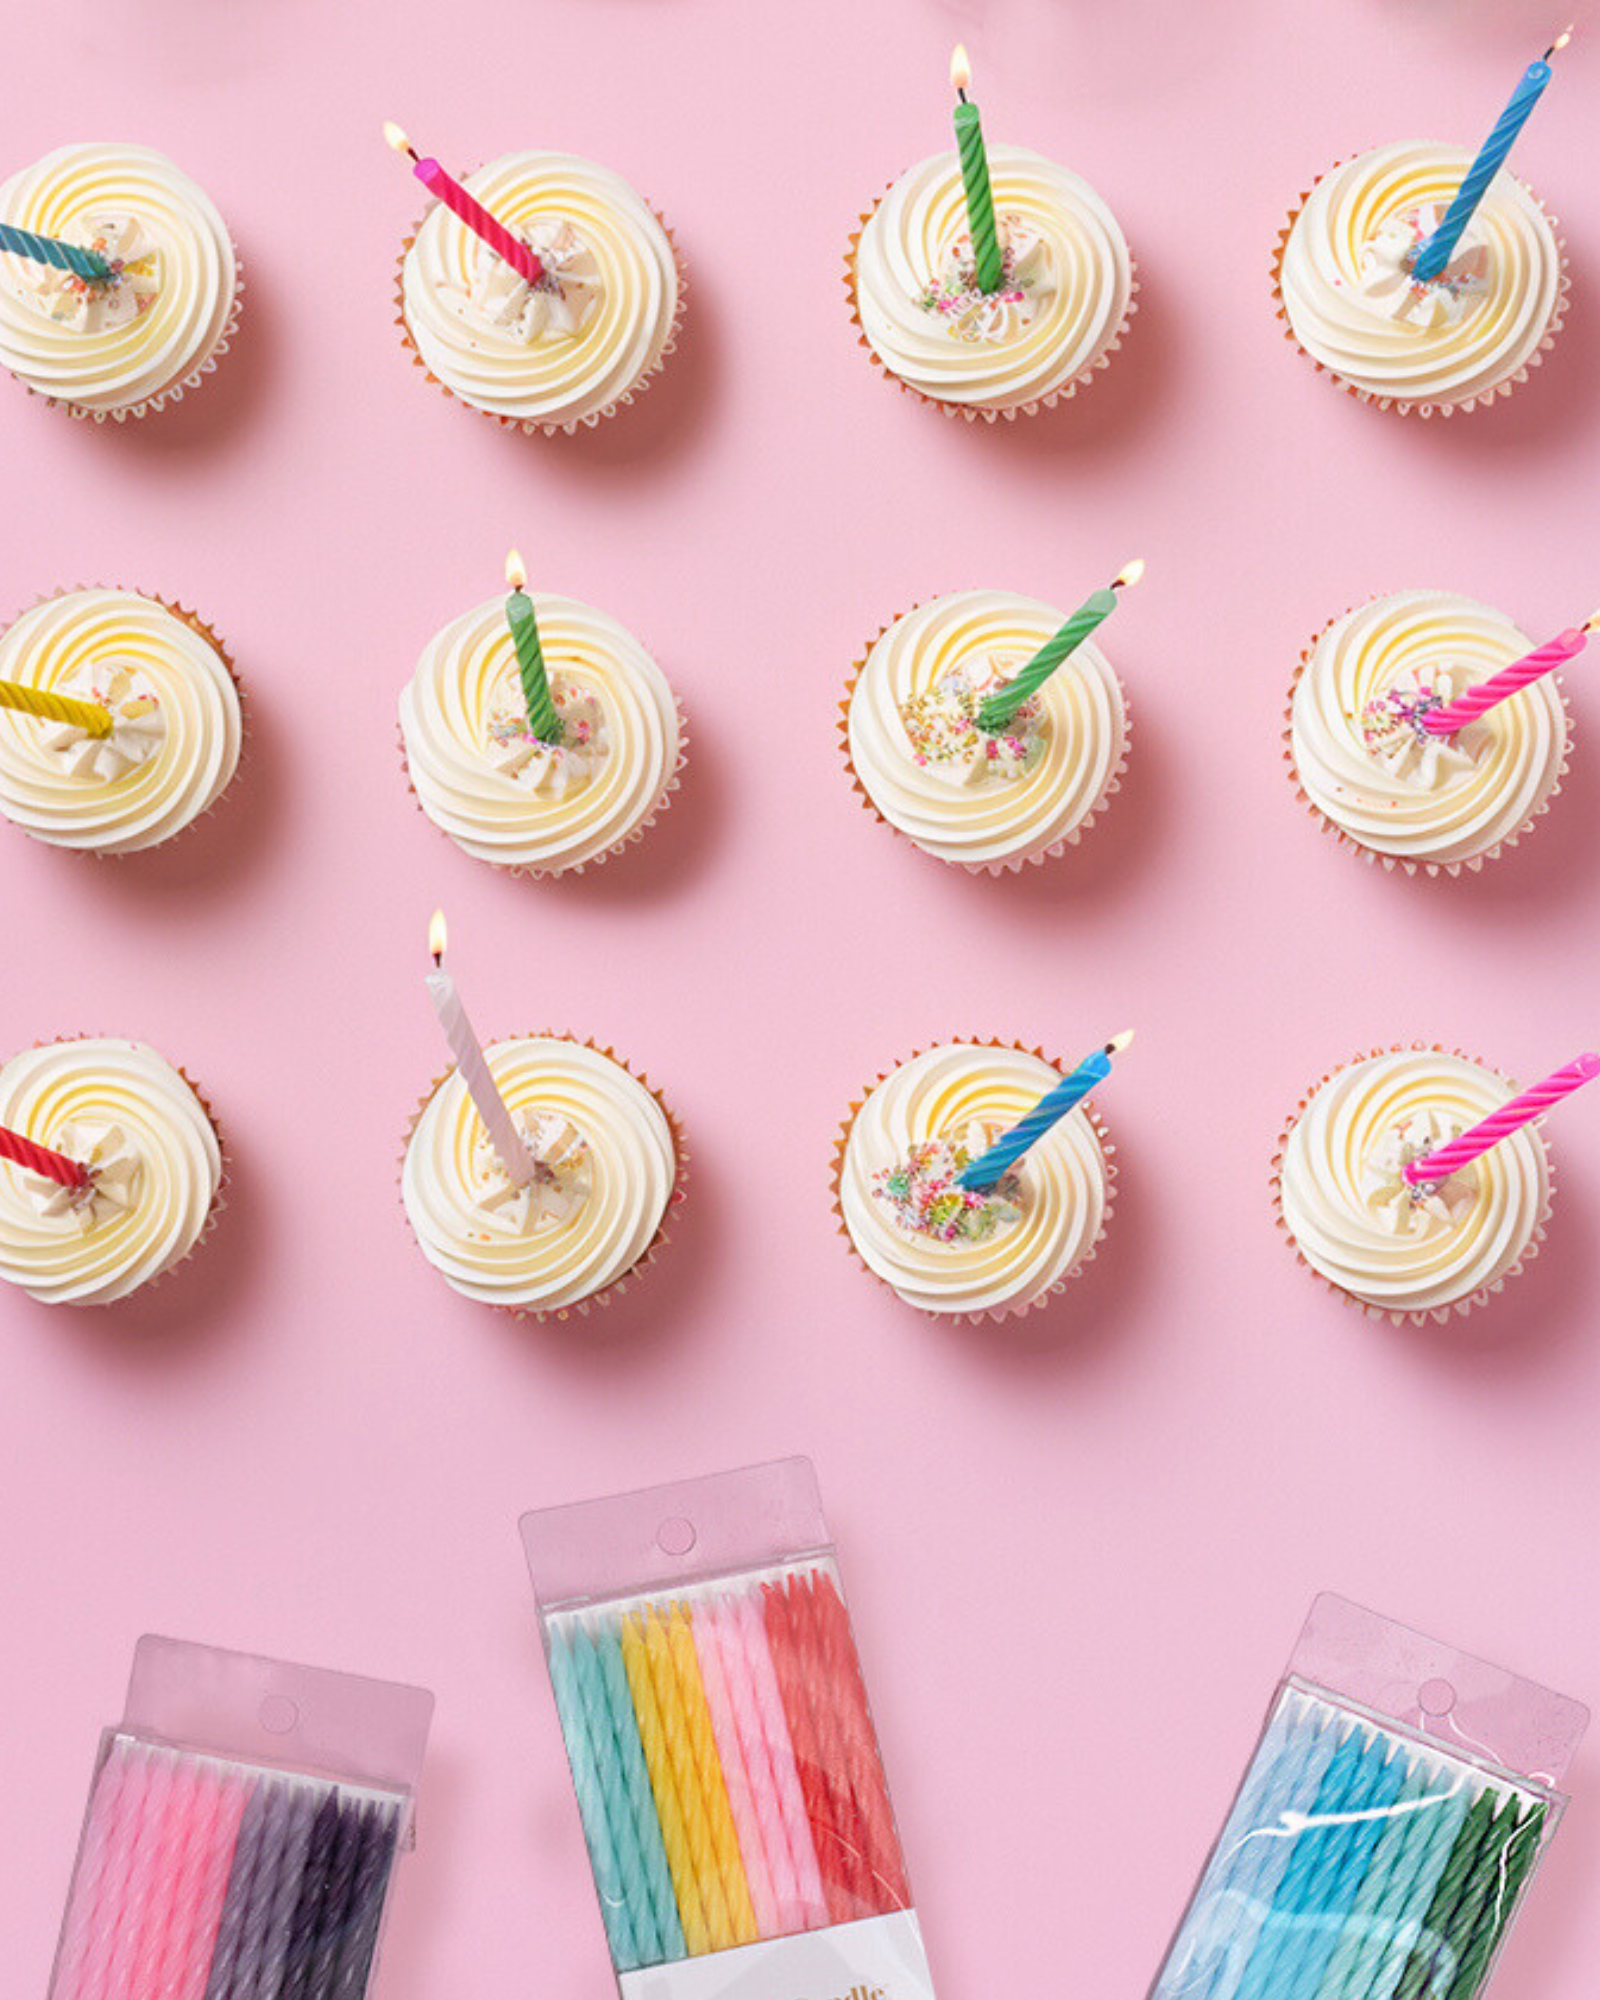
column 703, row 1748
column 696, row 1812
column 669, row 1809
column 88, row 716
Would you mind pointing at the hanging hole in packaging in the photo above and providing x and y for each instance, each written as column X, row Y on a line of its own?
column 676, row 1537
column 1436, row 1697
column 278, row 1715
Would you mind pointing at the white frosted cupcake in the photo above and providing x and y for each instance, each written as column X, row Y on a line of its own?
column 985, row 800
column 1058, row 315
column 483, row 777
column 120, row 348
column 958, row 1254
column 1377, row 778
column 571, row 349
column 176, row 731
column 1344, row 283
column 609, row 1165
column 1400, row 1252
column 154, row 1160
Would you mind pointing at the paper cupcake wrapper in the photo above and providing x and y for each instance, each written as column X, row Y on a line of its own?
column 1011, row 864
column 1424, row 406
column 1018, row 1309
column 1433, row 1315
column 1406, row 864
column 592, row 1301
column 634, row 834
column 532, row 426
column 973, row 412
column 199, row 626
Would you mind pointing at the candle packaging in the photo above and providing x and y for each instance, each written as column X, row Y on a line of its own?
column 242, row 1830
column 1387, row 1828
column 722, row 1749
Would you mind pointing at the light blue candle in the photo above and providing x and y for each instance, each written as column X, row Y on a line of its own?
column 616, row 1906
column 987, row 1168
column 87, row 264
column 1440, row 246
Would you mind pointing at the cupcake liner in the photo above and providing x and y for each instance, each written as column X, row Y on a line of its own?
column 1424, row 407
column 1011, row 864
column 1018, row 1309
column 1371, row 855
column 1437, row 1315
column 972, row 412
column 529, row 425
column 592, row 1301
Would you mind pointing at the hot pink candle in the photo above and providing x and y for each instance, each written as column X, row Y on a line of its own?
column 473, row 213
column 1509, row 681
column 1460, row 1152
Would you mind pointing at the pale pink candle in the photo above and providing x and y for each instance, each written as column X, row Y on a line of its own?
column 790, row 1911
column 142, row 1918
column 104, row 1916
column 189, row 1970
column 1509, row 681
column 756, row 1656
column 735, row 1770
column 99, row 1845
column 1461, row 1151
column 468, row 210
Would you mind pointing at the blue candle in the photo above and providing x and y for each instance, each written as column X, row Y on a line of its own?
column 984, row 1171
column 1440, row 246
column 48, row 250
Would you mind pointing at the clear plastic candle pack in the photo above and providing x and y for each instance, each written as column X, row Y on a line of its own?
column 1387, row 1827
column 721, row 1745
column 242, row 1831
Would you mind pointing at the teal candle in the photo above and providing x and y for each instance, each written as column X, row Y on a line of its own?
column 987, row 1168
column 542, row 717
column 50, row 250
column 975, row 179
column 998, row 708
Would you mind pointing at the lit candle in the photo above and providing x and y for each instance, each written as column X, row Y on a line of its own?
column 542, row 717
column 41, row 1160
column 1510, row 680
column 975, row 178
column 1454, row 1154
column 507, row 1141
column 1437, row 251
column 87, row 264
column 998, row 708
column 984, row 1171
column 462, row 205
column 88, row 716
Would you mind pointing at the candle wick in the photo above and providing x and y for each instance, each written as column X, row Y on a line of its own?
column 438, row 961
column 961, row 94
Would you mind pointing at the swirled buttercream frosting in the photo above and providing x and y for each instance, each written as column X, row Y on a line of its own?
column 566, row 350
column 113, row 348
column 1359, row 1223
column 605, row 1164
column 1364, row 760
column 498, row 790
column 988, row 799
column 1345, row 278
column 176, row 722
column 155, row 1167
column 1066, row 289
column 940, row 1248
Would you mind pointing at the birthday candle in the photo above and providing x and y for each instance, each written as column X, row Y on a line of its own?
column 589, row 1691
column 468, row 209
column 997, row 709
column 869, row 1788
column 1521, row 1851
column 697, row 1811
column 816, row 1681
column 88, row 264
column 834, row 1858
column 509, row 1146
column 258, row 1827
column 1396, row 1921
column 272, row 1892
column 605, row 1648
column 1453, row 715
column 1532, row 1103
column 543, row 719
column 987, row 259
column 329, row 1932
column 26, row 699
column 664, row 1784
column 367, row 1895
column 615, row 1899
column 735, row 1771
column 984, row 1171
column 713, row 1783
column 127, row 1833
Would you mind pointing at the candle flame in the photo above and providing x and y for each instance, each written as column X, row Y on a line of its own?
column 1120, row 1042
column 438, row 937
column 1559, row 43
column 1129, row 574
column 516, row 574
column 396, row 137
column 960, row 67
column 1592, row 622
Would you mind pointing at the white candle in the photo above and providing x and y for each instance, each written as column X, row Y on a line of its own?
column 508, row 1143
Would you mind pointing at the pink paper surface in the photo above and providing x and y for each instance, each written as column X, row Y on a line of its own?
column 1078, row 1552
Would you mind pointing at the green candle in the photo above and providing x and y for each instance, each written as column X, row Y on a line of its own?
column 998, row 708
column 975, row 178
column 542, row 717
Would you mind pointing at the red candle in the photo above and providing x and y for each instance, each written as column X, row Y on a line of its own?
column 41, row 1160
column 473, row 213
column 1509, row 681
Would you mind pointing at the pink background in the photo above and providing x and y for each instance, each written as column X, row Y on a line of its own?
column 1078, row 1555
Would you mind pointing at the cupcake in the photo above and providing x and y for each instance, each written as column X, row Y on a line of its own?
column 139, row 339
column 952, row 1252
column 176, row 724
column 608, row 1164
column 501, row 793
column 1345, row 289
column 983, row 799
column 154, row 1167
column 1398, row 1251
column 1377, row 778
column 570, row 349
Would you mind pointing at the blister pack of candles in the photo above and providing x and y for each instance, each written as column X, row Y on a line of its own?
column 721, row 1745
column 242, row 1832
column 1386, row 1830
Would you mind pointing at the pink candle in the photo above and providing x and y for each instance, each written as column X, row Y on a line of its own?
column 1469, row 706
column 1460, row 1152
column 473, row 213
column 41, row 1160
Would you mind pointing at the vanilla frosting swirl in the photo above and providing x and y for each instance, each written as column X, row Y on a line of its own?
column 1350, row 1214
column 519, row 805
column 95, row 353
column 124, row 1112
column 1006, row 810
column 1348, row 314
column 1075, row 282
column 1060, row 1187
column 599, row 1130
column 1387, row 787
column 177, row 733
column 524, row 362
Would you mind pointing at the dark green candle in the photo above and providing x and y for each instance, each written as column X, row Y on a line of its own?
column 542, row 717
column 998, row 709
column 1498, row 1904
column 975, row 179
